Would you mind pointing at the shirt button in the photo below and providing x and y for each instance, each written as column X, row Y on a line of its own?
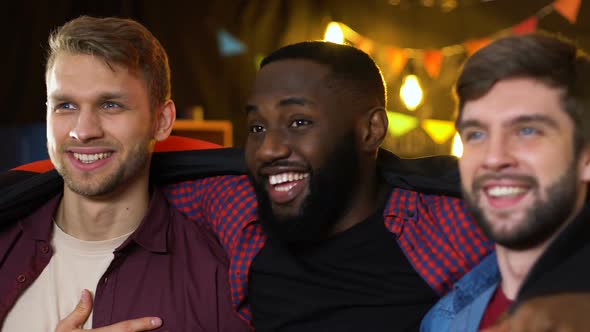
column 44, row 248
column 21, row 278
column 411, row 213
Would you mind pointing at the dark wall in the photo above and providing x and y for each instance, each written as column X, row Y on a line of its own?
column 188, row 31
column 201, row 76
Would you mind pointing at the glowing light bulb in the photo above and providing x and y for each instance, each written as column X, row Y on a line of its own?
column 334, row 33
column 411, row 92
column 457, row 147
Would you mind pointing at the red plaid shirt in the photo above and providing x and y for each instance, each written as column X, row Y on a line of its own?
column 435, row 232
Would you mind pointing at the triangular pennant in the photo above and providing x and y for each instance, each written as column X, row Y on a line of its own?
column 439, row 130
column 527, row 26
column 398, row 57
column 474, row 45
column 228, row 44
column 433, row 60
column 366, row 45
column 400, row 124
column 568, row 9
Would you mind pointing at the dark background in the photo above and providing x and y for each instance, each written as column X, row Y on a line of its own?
column 202, row 76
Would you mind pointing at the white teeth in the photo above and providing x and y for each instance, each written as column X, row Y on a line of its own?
column 286, row 177
column 505, row 191
column 90, row 158
column 285, row 187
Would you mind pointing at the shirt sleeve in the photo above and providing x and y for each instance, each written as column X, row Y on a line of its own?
column 455, row 243
column 228, row 319
column 223, row 204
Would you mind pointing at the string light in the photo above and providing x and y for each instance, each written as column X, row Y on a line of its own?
column 411, row 92
column 457, row 147
column 334, row 33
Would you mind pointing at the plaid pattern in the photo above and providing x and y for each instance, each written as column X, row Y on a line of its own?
column 435, row 232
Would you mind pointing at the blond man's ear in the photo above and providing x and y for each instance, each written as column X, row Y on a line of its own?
column 164, row 120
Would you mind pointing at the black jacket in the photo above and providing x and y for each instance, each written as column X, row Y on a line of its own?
column 565, row 264
column 21, row 192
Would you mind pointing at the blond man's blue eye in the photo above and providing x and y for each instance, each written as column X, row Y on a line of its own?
column 528, row 131
column 110, row 104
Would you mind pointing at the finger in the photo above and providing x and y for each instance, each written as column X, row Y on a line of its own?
column 133, row 325
column 80, row 314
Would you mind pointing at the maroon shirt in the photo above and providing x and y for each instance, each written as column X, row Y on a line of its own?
column 497, row 306
column 169, row 267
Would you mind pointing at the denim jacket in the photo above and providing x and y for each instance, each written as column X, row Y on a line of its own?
column 462, row 309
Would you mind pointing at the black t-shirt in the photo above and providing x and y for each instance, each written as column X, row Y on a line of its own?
column 358, row 280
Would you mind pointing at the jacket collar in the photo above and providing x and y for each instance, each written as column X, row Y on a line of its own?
column 485, row 275
column 574, row 238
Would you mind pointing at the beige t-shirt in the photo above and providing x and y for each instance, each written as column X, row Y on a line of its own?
column 75, row 265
